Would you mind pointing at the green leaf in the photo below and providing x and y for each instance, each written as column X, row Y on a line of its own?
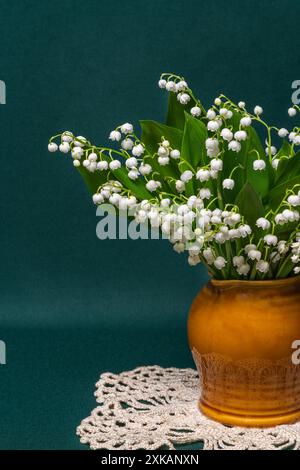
column 193, row 151
column 288, row 169
column 259, row 180
column 229, row 195
column 284, row 231
column 92, row 180
column 137, row 187
column 285, row 269
column 193, row 144
column 175, row 115
column 277, row 194
column 234, row 122
column 251, row 148
column 250, row 204
column 152, row 132
column 286, row 150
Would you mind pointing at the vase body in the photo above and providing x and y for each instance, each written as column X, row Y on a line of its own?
column 241, row 335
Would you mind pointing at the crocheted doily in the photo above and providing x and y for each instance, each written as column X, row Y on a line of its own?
column 153, row 408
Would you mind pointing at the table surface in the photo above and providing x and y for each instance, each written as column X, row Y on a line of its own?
column 48, row 382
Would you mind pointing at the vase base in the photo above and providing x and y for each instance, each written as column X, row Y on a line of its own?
column 248, row 421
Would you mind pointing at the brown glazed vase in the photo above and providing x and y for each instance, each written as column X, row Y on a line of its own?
column 241, row 335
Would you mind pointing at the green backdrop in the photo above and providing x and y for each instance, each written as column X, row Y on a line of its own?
column 71, row 306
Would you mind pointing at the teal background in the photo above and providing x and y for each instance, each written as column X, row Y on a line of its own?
column 71, row 306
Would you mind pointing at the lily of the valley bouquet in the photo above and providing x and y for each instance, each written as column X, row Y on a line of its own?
column 207, row 180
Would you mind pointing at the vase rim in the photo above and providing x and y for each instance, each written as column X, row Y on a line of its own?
column 229, row 283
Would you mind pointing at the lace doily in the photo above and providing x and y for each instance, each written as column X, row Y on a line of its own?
column 153, row 408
